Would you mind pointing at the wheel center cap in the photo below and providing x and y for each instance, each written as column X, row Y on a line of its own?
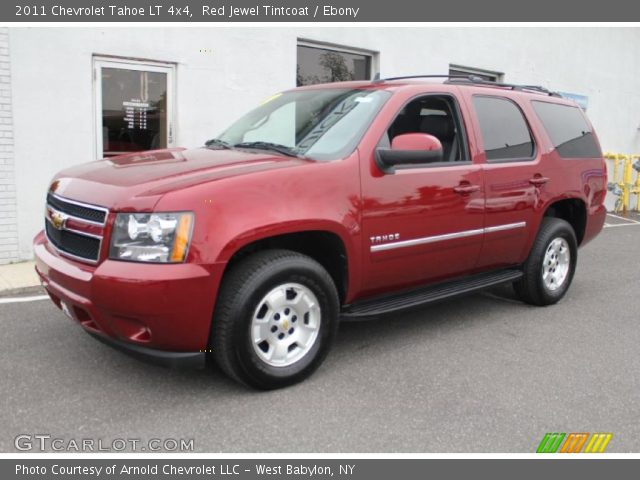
column 285, row 324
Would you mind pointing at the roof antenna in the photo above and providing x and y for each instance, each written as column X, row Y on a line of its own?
column 376, row 77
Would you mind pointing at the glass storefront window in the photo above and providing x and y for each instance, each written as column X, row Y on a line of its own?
column 133, row 107
column 322, row 65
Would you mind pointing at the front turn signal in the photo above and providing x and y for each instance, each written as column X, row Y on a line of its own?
column 183, row 234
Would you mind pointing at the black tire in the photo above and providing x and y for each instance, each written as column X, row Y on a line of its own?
column 242, row 291
column 531, row 288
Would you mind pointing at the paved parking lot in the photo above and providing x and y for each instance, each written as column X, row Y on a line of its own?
column 483, row 374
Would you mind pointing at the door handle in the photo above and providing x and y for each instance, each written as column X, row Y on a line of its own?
column 538, row 181
column 466, row 189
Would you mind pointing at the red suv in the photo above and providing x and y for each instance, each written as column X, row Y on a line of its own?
column 329, row 202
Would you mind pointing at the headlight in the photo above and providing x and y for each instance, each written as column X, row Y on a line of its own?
column 151, row 237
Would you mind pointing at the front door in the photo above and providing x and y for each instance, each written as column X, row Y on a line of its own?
column 423, row 224
column 134, row 106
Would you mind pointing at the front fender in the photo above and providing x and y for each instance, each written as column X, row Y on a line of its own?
column 350, row 239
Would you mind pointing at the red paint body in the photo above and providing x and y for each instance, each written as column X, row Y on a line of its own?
column 241, row 197
column 416, row 141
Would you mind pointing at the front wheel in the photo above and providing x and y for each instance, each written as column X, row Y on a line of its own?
column 275, row 319
column 549, row 270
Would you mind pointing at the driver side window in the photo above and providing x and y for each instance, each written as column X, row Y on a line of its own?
column 435, row 115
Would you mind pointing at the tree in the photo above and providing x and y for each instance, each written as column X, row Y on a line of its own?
column 338, row 70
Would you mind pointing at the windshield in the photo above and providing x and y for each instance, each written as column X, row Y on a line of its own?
column 321, row 124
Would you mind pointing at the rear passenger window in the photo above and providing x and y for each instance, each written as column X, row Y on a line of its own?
column 505, row 132
column 569, row 131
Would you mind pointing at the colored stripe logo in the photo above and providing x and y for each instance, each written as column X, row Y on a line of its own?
column 598, row 443
column 550, row 443
column 574, row 442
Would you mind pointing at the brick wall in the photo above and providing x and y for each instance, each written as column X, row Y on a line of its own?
column 8, row 209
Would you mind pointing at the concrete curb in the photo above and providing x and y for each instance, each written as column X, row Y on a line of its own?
column 17, row 278
column 23, row 292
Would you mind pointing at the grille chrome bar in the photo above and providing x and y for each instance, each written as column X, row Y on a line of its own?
column 81, row 211
column 73, row 242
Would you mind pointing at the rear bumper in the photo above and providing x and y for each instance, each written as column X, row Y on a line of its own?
column 595, row 222
column 160, row 312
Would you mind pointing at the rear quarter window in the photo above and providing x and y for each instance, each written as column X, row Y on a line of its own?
column 569, row 131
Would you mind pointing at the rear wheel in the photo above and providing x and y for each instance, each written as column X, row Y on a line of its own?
column 549, row 270
column 275, row 319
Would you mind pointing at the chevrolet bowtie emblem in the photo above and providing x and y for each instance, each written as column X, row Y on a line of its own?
column 58, row 220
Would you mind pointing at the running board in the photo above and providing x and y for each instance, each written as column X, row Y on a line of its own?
column 424, row 295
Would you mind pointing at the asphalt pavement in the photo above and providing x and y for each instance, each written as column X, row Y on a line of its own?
column 485, row 373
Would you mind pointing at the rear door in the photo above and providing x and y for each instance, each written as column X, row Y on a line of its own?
column 513, row 176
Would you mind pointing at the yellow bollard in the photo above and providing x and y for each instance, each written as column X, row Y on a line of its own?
column 618, row 179
column 636, row 189
column 616, row 164
column 627, row 180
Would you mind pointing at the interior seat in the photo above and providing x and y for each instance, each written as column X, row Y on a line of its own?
column 443, row 129
column 408, row 121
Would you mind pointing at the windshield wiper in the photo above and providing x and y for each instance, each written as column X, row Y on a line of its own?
column 216, row 142
column 276, row 147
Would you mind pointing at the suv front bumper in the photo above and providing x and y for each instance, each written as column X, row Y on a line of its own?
column 158, row 357
column 158, row 312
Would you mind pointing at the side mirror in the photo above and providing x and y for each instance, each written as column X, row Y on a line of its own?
column 409, row 149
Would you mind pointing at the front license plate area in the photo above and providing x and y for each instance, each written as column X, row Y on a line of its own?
column 66, row 310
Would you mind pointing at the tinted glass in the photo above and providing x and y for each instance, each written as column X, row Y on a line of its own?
column 504, row 130
column 134, row 110
column 320, row 65
column 569, row 131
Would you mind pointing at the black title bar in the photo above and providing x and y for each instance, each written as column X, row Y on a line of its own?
column 318, row 469
column 317, row 11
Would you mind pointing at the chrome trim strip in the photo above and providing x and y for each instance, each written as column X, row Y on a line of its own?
column 423, row 240
column 507, row 226
column 79, row 219
column 446, row 236
column 80, row 204
column 78, row 232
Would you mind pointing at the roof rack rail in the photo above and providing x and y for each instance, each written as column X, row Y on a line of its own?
column 475, row 80
column 377, row 78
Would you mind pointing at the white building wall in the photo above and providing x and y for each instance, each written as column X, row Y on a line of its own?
column 8, row 216
column 222, row 72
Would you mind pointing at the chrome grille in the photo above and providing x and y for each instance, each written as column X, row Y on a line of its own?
column 86, row 248
column 78, row 210
column 74, row 242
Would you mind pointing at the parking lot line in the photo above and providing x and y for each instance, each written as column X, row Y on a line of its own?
column 608, row 225
column 23, row 299
column 623, row 218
